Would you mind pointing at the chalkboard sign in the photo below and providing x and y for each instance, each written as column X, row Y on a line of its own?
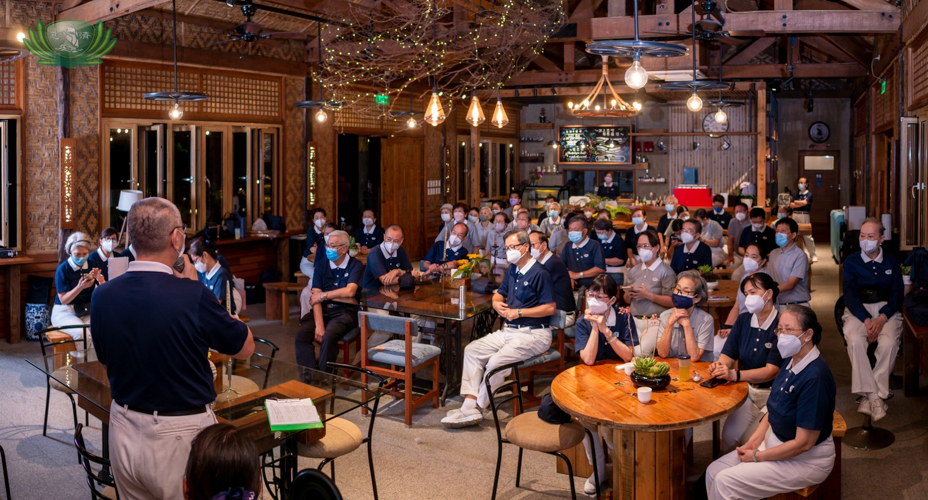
column 587, row 144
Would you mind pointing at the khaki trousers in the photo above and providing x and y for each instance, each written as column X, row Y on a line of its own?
column 741, row 424
column 866, row 380
column 807, row 241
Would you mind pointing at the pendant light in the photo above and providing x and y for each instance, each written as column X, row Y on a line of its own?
column 475, row 114
column 500, row 119
column 320, row 116
column 176, row 113
column 694, row 102
column 411, row 122
column 721, row 116
column 434, row 113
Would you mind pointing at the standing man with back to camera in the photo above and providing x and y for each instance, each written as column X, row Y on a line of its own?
column 154, row 326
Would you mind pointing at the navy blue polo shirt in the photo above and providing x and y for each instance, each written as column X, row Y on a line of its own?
column 128, row 253
column 884, row 273
column 66, row 279
column 807, row 197
column 96, row 260
column 523, row 291
column 755, row 346
column 723, row 217
column 586, row 257
column 624, row 330
column 215, row 280
column 327, row 279
column 605, row 191
column 662, row 223
column 379, row 264
column 152, row 330
column 701, row 256
column 614, row 249
column 631, row 238
column 369, row 240
column 563, row 291
column 437, row 253
column 766, row 238
column 313, row 238
column 805, row 399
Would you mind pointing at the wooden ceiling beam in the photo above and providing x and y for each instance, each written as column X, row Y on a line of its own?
column 748, row 53
column 104, row 10
column 818, row 5
column 165, row 15
column 828, row 70
column 857, row 49
column 205, row 58
column 546, row 64
column 872, row 5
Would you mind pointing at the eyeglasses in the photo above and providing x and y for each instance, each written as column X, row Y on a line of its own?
column 689, row 231
column 182, row 227
column 680, row 291
column 781, row 330
column 336, row 247
column 514, row 247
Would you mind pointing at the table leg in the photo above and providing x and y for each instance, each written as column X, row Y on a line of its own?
column 649, row 465
column 284, row 307
column 910, row 355
column 451, row 359
column 13, row 292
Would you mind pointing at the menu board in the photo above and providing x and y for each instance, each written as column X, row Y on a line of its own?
column 587, row 144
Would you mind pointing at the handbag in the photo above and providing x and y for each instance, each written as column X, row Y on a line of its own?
column 81, row 310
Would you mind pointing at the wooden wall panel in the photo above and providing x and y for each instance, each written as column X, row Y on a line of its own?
column 85, row 127
column 294, row 154
column 916, row 72
column 248, row 258
column 326, row 166
column 885, row 106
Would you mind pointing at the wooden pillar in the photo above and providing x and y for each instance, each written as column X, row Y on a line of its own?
column 473, row 170
column 761, row 144
column 13, row 292
column 64, row 130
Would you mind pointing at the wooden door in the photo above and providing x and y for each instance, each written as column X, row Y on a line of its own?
column 819, row 167
column 402, row 181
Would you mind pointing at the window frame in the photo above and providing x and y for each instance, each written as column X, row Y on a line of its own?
column 4, row 181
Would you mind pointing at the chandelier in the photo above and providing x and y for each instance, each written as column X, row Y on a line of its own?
column 613, row 105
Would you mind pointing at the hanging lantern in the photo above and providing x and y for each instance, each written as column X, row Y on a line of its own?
column 434, row 114
column 499, row 114
column 475, row 114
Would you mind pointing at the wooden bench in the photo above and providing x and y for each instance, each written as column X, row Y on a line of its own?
column 277, row 301
column 831, row 486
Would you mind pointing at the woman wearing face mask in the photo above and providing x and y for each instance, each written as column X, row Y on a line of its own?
column 753, row 341
column 686, row 330
column 108, row 240
column 75, row 281
column 211, row 273
column 447, row 222
column 608, row 189
column 495, row 246
column 482, row 227
column 314, row 236
column 758, row 264
column 681, row 213
column 782, row 213
column 692, row 254
column 652, row 286
column 639, row 225
column 495, row 208
column 605, row 331
column 792, row 447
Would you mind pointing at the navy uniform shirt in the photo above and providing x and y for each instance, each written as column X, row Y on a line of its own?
column 631, row 238
column 314, row 236
column 753, row 343
column 67, row 278
column 807, row 197
column 129, row 252
column 587, row 255
column 802, row 396
column 152, row 331
column 605, row 191
column 369, row 240
column 663, row 223
column 883, row 272
column 215, row 280
column 614, row 247
column 328, row 276
column 563, row 291
column 766, row 238
column 98, row 259
column 723, row 218
column 437, row 254
column 619, row 323
column 380, row 263
column 525, row 288
column 684, row 261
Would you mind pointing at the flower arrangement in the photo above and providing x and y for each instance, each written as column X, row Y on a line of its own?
column 467, row 267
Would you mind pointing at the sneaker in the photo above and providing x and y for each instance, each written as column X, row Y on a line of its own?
column 864, row 406
column 462, row 419
column 878, row 411
column 590, row 486
column 815, row 259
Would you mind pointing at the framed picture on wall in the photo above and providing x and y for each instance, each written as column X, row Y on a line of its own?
column 600, row 144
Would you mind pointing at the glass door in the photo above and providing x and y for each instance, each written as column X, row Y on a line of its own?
column 241, row 166
column 912, row 169
column 10, row 194
column 213, row 159
column 181, row 177
column 152, row 162
column 122, row 173
column 266, row 175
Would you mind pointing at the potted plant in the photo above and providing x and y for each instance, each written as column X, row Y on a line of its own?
column 907, row 275
column 708, row 274
column 621, row 213
column 465, row 270
column 649, row 372
column 744, row 193
column 353, row 248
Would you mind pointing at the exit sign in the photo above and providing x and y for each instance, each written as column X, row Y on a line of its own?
column 382, row 99
column 883, row 87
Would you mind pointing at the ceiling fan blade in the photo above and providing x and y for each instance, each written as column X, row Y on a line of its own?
column 267, row 42
column 748, row 33
column 734, row 42
column 224, row 41
column 290, row 35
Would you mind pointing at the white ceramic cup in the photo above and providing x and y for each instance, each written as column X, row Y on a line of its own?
column 629, row 369
column 644, row 395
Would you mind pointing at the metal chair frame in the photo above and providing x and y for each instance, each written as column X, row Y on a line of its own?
column 313, row 484
column 87, row 460
column 45, row 344
column 270, row 359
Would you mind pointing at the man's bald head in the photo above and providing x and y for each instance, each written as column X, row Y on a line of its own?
column 151, row 223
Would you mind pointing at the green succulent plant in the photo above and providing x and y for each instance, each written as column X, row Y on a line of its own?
column 650, row 367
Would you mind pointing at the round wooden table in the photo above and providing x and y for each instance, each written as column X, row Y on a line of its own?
column 650, row 439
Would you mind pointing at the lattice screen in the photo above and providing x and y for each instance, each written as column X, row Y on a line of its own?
column 349, row 119
column 8, row 84
column 123, row 87
column 241, row 96
column 884, row 105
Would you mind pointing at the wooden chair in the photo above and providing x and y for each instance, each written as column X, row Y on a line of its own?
column 529, row 432
column 410, row 356
column 352, row 338
column 94, row 477
column 54, row 340
column 831, row 486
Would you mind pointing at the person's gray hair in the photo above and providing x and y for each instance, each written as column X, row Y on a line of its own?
column 340, row 235
column 151, row 223
column 702, row 290
column 874, row 220
column 522, row 236
column 77, row 239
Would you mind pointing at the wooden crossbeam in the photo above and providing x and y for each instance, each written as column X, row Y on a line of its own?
column 104, row 10
column 826, row 47
column 871, row 5
column 826, row 70
column 748, row 53
column 857, row 49
column 545, row 63
column 165, row 15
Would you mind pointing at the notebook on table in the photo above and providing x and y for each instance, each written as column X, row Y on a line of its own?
column 292, row 414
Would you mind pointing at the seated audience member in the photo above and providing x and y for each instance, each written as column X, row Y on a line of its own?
column 613, row 249
column 560, row 276
column 204, row 236
column 603, row 214
column 755, row 254
column 605, row 331
column 496, row 207
column 211, row 273
column 718, row 213
column 758, row 233
column 446, row 257
column 482, row 228
column 664, row 221
column 549, row 200
column 369, row 234
column 583, row 256
column 108, row 241
column 670, row 240
column 652, row 283
column 473, row 215
column 686, row 330
column 339, row 276
column 389, row 262
column 789, row 266
column 446, row 221
column 792, row 447
column 512, row 224
column 639, row 225
column 515, row 200
column 75, row 281
column 495, row 246
column 525, row 301
column 713, row 236
column 553, row 221
column 753, row 341
column 223, row 465
column 588, row 212
column 459, row 216
column 735, row 228
column 782, row 213
column 873, row 294
column 314, row 237
column 692, row 253
column 524, row 222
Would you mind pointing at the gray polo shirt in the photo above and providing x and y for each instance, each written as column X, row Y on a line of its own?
column 735, row 228
column 658, row 279
column 703, row 325
column 792, row 263
column 712, row 230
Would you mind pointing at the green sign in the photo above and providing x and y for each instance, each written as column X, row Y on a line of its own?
column 883, row 87
column 69, row 43
column 382, row 99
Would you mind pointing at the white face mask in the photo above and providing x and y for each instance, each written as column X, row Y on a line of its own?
column 107, row 245
column 646, row 255
column 368, row 221
column 326, row 238
column 513, row 255
column 453, row 240
column 802, row 186
column 740, row 216
column 596, row 306
column 446, row 217
column 758, row 227
column 869, row 246
column 319, row 223
column 789, row 345
column 750, row 265
column 687, row 238
column 536, row 253
column 390, row 246
column 458, row 216
column 588, row 214
column 500, row 227
column 754, row 303
column 200, row 266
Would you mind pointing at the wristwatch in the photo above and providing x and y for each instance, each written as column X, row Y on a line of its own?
column 754, row 455
column 581, row 274
column 520, row 313
column 325, row 296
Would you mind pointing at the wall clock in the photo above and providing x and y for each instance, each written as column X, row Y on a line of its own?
column 819, row 132
column 714, row 128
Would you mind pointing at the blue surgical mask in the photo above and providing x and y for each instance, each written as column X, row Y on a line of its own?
column 575, row 236
column 669, row 207
column 78, row 261
column 495, row 212
column 682, row 301
column 331, row 254
column 553, row 214
column 781, row 240
column 718, row 210
column 781, row 215
column 602, row 237
column 473, row 219
column 637, row 221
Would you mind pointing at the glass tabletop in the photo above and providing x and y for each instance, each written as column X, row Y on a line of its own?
column 252, row 381
column 431, row 299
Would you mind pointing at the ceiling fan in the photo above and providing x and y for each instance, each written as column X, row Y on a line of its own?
column 711, row 29
column 253, row 32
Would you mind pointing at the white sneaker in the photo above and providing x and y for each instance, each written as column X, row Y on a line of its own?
column 590, row 486
column 814, row 259
column 462, row 419
column 864, row 406
column 878, row 411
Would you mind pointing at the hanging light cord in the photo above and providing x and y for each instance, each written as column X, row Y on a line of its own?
column 174, row 10
column 319, row 45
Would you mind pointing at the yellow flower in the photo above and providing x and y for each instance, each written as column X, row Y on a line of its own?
column 462, row 262
column 473, row 256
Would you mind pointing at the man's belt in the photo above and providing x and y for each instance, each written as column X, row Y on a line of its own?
column 871, row 295
column 196, row 410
